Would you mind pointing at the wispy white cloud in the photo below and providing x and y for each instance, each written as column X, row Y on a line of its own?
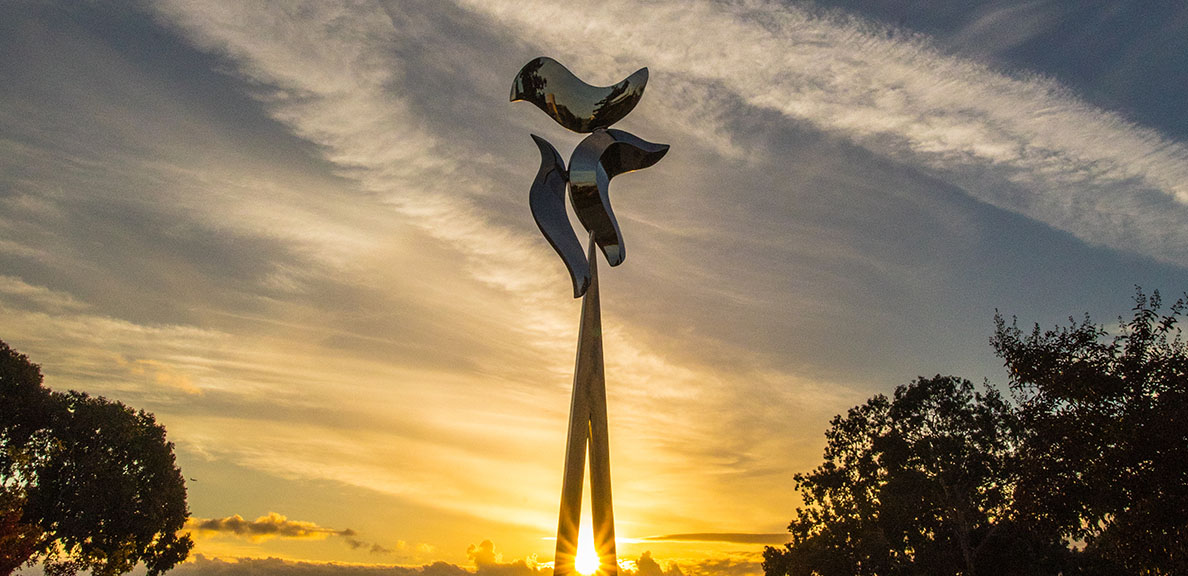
column 38, row 297
column 1019, row 142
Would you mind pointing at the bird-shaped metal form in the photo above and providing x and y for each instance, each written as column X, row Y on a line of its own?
column 574, row 104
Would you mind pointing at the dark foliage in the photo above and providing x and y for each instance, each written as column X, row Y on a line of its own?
column 1105, row 457
column 1086, row 472
column 85, row 483
column 917, row 484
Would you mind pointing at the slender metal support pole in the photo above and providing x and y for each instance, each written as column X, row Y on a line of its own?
column 602, row 512
column 587, row 426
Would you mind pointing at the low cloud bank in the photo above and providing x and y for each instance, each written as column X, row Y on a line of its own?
column 202, row 566
column 487, row 562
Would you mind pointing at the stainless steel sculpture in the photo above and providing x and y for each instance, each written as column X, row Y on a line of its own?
column 602, row 155
column 547, row 200
column 572, row 103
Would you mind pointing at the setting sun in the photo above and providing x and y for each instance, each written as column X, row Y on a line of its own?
column 586, row 561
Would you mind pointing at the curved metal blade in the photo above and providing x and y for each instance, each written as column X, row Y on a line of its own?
column 603, row 155
column 574, row 104
column 547, row 200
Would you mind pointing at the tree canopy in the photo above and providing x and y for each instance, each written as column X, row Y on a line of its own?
column 1104, row 460
column 85, row 483
column 917, row 484
column 1084, row 470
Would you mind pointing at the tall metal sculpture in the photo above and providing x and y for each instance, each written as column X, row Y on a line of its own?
column 602, row 155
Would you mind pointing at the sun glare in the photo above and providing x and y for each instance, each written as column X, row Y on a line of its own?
column 586, row 560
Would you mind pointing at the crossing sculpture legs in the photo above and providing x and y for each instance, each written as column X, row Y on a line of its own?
column 587, row 428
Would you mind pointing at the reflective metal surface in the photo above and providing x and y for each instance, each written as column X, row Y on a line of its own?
column 603, row 155
column 570, row 101
column 587, row 428
column 547, row 200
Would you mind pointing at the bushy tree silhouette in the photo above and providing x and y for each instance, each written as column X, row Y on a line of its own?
column 917, row 484
column 85, row 483
column 1084, row 472
column 1104, row 459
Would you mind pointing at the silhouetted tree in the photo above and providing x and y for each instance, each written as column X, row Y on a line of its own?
column 85, row 483
column 1105, row 451
column 1086, row 472
column 918, row 484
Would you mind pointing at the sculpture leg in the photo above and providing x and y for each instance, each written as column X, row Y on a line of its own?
column 571, row 486
column 587, row 375
column 602, row 512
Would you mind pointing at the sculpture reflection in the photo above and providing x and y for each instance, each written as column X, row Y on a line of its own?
column 574, row 104
column 603, row 155
column 547, row 201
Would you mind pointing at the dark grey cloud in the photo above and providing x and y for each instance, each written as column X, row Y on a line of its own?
column 272, row 525
column 373, row 547
column 108, row 135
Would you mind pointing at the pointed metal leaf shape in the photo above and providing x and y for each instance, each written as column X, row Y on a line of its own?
column 603, row 155
column 547, row 200
column 574, row 104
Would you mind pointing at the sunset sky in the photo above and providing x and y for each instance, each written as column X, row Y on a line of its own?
column 298, row 233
